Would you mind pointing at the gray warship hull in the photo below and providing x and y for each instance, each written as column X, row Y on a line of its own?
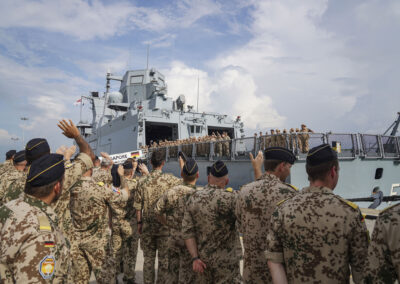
column 140, row 113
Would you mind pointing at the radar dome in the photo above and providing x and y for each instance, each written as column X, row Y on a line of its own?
column 115, row 98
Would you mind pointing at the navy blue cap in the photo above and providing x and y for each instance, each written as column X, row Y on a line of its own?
column 45, row 170
column 190, row 168
column 19, row 157
column 280, row 154
column 36, row 148
column 128, row 164
column 10, row 154
column 219, row 169
column 321, row 154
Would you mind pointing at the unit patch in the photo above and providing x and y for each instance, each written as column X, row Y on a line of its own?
column 47, row 267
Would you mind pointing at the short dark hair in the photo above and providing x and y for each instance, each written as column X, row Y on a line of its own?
column 128, row 172
column 189, row 178
column 41, row 191
column 270, row 165
column 320, row 171
column 157, row 157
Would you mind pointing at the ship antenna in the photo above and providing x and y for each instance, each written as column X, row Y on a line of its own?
column 148, row 51
column 198, row 91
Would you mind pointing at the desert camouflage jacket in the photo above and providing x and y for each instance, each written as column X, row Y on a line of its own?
column 32, row 249
column 318, row 236
column 384, row 249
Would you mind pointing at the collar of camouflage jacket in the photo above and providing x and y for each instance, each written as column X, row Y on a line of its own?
column 189, row 185
column 211, row 186
column 45, row 208
column 268, row 176
column 317, row 189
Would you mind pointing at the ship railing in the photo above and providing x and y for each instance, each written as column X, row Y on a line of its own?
column 348, row 146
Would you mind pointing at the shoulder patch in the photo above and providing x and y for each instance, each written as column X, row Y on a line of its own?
column 349, row 203
column 390, row 207
column 100, row 183
column 292, row 186
column 44, row 224
column 229, row 189
column 282, row 201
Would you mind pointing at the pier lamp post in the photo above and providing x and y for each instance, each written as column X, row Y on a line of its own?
column 23, row 130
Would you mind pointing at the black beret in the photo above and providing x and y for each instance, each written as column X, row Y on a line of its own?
column 128, row 165
column 19, row 157
column 10, row 153
column 36, row 148
column 321, row 154
column 115, row 176
column 219, row 169
column 190, row 168
column 279, row 153
column 45, row 170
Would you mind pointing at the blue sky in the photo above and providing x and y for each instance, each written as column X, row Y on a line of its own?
column 333, row 65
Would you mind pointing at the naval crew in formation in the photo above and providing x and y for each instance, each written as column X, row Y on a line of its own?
column 61, row 218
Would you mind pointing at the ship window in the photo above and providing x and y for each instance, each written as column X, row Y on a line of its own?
column 378, row 173
column 195, row 129
column 137, row 79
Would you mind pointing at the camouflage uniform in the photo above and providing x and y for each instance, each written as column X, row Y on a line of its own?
column 131, row 241
column 173, row 204
column 73, row 173
column 6, row 166
column 102, row 175
column 6, row 180
column 318, row 236
column 384, row 249
column 210, row 219
column 31, row 246
column 154, row 235
column 89, row 212
column 256, row 202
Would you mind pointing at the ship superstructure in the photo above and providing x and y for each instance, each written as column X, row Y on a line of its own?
column 141, row 113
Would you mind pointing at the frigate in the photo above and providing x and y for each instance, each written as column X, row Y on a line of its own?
column 140, row 113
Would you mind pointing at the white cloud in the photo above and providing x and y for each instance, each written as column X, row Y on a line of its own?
column 230, row 90
column 93, row 19
column 162, row 41
column 5, row 137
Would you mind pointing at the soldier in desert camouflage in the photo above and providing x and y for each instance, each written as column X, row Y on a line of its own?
column 153, row 235
column 32, row 249
column 131, row 237
column 209, row 230
column 170, row 209
column 384, row 249
column 17, row 172
column 316, row 236
column 256, row 202
column 90, row 202
column 103, row 173
column 8, row 163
